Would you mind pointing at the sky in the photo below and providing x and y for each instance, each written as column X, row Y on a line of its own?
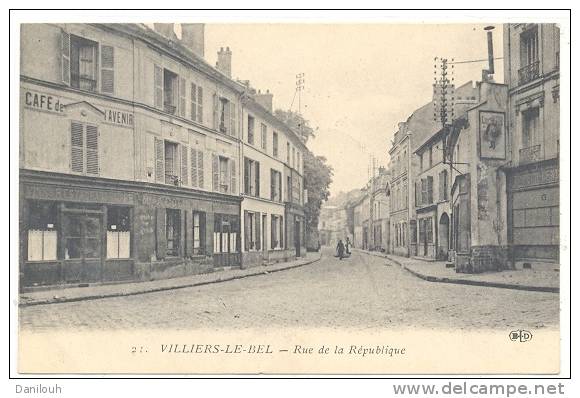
column 361, row 80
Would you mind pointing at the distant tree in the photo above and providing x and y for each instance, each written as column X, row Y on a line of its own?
column 296, row 122
column 317, row 174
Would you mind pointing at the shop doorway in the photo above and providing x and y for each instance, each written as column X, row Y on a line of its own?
column 82, row 245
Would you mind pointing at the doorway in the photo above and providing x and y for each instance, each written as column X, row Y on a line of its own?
column 443, row 236
column 297, row 242
column 82, row 245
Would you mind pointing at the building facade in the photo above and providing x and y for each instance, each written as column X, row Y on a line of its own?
column 272, row 186
column 532, row 73
column 399, row 200
column 130, row 154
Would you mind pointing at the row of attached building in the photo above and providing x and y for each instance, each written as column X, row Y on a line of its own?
column 483, row 191
column 139, row 160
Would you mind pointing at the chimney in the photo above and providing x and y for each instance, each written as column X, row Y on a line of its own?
column 265, row 99
column 193, row 37
column 224, row 62
column 165, row 29
column 487, row 74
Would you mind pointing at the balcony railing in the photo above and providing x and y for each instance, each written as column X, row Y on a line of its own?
column 529, row 72
column 169, row 108
column 530, row 154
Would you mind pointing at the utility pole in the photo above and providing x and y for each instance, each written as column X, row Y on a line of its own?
column 299, row 88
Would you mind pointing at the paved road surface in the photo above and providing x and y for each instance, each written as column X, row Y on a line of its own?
column 361, row 292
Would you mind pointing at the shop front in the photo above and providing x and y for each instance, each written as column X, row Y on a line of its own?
column 79, row 230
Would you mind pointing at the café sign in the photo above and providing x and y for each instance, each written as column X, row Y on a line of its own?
column 54, row 104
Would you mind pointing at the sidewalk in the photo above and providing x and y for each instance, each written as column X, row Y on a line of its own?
column 542, row 277
column 128, row 289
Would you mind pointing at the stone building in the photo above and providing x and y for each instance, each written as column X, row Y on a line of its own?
column 532, row 73
column 272, row 186
column 130, row 154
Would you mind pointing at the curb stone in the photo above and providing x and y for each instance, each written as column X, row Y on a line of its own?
column 160, row 289
column 457, row 281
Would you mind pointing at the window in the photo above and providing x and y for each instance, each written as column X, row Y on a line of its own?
column 224, row 177
column 224, row 115
column 421, row 162
column 198, row 232
column 251, row 123
column 530, row 127
column 277, row 232
column 83, row 63
column 251, row 177
column 170, row 91
column 84, row 148
column 42, row 233
column 252, row 231
column 288, row 153
column 264, row 136
column 443, row 187
column 196, row 103
column 289, row 188
column 293, row 157
column 429, row 229
column 275, row 185
column 529, row 46
column 171, row 163
column 430, row 157
column 118, row 232
column 275, row 144
column 173, row 231
column 226, row 232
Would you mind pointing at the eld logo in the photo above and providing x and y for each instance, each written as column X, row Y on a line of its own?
column 520, row 335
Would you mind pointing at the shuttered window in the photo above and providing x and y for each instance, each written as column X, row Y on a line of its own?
column 193, row 102
column 158, row 82
column 232, row 118
column 196, row 168
column 184, row 165
column 215, row 169
column 159, row 160
column 182, row 110
column 84, row 148
column 234, row 177
column 65, row 57
column 108, row 69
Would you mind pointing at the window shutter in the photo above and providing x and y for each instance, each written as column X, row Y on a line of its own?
column 281, row 231
column 233, row 177
column 200, row 104
column 215, row 112
column 108, row 69
column 246, row 176
column 257, row 171
column 272, row 185
column 182, row 112
column 232, row 118
column 193, row 99
column 247, row 232
column 194, row 181
column 184, row 165
column 160, row 238
column 188, row 232
column 158, row 81
column 417, row 194
column 215, row 172
column 159, row 160
column 92, row 150
column 258, row 231
column 65, row 57
column 76, row 140
column 280, row 187
column 200, row 168
column 430, row 189
column 273, row 232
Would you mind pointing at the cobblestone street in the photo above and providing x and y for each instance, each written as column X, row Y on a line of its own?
column 361, row 292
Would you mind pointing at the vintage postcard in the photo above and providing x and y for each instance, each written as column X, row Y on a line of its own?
column 291, row 198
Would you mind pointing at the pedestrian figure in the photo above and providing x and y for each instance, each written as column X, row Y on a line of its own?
column 347, row 246
column 340, row 249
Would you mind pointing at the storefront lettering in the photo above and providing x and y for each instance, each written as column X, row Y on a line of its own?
column 45, row 102
column 538, row 176
column 77, row 195
column 119, row 117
